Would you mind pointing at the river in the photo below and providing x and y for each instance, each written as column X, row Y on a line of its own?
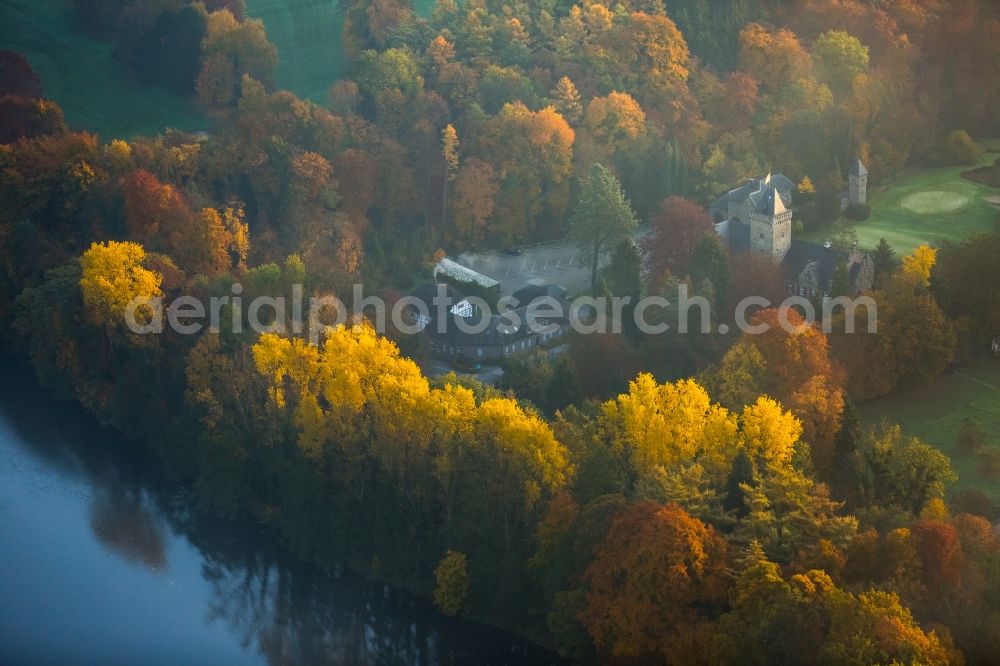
column 106, row 562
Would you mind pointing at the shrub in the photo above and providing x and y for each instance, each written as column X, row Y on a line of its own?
column 971, row 437
column 972, row 501
column 858, row 212
column 959, row 148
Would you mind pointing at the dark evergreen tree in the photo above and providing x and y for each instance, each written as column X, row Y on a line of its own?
column 741, row 474
column 848, row 467
column 709, row 261
column 885, row 261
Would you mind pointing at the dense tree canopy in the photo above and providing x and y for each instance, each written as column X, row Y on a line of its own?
column 647, row 515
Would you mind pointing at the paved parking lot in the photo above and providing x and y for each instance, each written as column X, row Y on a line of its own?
column 561, row 263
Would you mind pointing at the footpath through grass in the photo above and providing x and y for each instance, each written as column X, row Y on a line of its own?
column 926, row 206
column 96, row 92
column 935, row 413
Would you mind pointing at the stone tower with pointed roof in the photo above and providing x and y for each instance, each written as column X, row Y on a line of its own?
column 770, row 222
column 857, row 183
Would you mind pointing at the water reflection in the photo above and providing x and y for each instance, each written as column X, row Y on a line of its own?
column 120, row 521
column 233, row 580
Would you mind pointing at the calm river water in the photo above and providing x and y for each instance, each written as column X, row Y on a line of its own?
column 104, row 562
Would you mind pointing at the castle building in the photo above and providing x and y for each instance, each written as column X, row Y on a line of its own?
column 757, row 217
column 770, row 223
column 478, row 337
column 857, row 183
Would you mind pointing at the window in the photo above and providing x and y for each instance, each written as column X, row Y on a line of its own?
column 479, row 352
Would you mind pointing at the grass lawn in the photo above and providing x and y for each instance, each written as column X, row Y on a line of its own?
column 99, row 94
column 307, row 35
column 926, row 206
column 95, row 91
column 935, row 413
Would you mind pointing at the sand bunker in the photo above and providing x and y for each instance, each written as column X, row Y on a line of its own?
column 934, row 202
column 993, row 200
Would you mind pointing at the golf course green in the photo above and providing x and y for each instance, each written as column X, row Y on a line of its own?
column 926, row 206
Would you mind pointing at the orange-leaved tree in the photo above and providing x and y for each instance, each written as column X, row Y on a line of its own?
column 656, row 581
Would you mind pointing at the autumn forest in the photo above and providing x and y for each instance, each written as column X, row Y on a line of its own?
column 620, row 497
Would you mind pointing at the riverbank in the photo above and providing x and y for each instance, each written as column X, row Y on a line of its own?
column 105, row 560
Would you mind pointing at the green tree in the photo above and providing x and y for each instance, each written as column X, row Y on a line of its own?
column 710, row 262
column 739, row 377
column 965, row 282
column 884, row 258
column 389, row 69
column 623, row 273
column 603, row 216
column 451, row 589
column 809, row 620
column 905, row 471
column 847, row 475
column 839, row 57
column 623, row 276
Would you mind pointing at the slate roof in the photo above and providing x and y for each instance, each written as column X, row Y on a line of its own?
column 760, row 192
column 505, row 328
column 501, row 329
column 429, row 290
column 802, row 253
column 783, row 184
column 462, row 273
column 857, row 168
column 773, row 203
column 530, row 292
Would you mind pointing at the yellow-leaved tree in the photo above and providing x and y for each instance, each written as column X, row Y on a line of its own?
column 519, row 460
column 355, row 400
column 666, row 425
column 113, row 276
column 917, row 266
column 769, row 433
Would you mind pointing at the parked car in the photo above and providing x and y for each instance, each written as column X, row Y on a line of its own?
column 513, row 252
